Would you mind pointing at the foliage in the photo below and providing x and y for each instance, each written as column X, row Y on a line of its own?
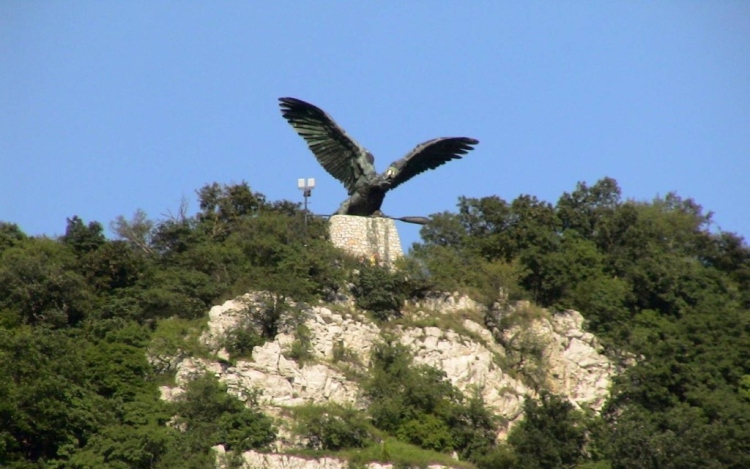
column 40, row 284
column 10, row 235
column 175, row 338
column 212, row 416
column 419, row 406
column 301, row 348
column 550, row 436
column 665, row 292
column 448, row 269
column 80, row 314
column 46, row 403
column 241, row 340
column 654, row 282
column 140, row 440
column 332, row 427
column 342, row 353
column 379, row 290
column 401, row 455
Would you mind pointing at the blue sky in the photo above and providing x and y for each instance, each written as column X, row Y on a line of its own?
column 108, row 107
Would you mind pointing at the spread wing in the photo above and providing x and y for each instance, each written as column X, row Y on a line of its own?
column 338, row 153
column 429, row 155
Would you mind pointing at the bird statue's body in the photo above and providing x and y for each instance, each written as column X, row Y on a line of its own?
column 352, row 164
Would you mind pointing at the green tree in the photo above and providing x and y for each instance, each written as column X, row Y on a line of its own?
column 550, row 436
column 47, row 404
column 82, row 238
column 420, row 406
column 589, row 210
column 141, row 439
column 40, row 283
column 211, row 416
column 137, row 231
column 332, row 427
column 379, row 290
column 223, row 206
column 10, row 235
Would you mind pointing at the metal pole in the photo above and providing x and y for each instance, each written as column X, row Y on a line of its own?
column 306, row 193
column 306, row 185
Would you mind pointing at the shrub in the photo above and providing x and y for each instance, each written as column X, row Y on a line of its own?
column 173, row 339
column 301, row 348
column 379, row 290
column 332, row 427
column 428, row 432
column 342, row 353
column 551, row 435
column 211, row 416
column 420, row 406
column 240, row 341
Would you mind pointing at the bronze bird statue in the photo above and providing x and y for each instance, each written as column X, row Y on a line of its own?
column 352, row 164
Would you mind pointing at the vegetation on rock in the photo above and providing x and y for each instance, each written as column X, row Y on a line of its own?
column 89, row 326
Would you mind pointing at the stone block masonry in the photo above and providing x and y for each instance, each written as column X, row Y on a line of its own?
column 371, row 238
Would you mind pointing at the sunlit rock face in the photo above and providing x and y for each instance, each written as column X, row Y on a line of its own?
column 254, row 459
column 475, row 358
column 578, row 369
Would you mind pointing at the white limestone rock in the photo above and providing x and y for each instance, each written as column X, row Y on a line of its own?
column 281, row 382
column 471, row 360
column 579, row 371
column 447, row 303
column 190, row 368
column 255, row 460
column 470, row 366
column 329, row 330
column 230, row 314
column 169, row 394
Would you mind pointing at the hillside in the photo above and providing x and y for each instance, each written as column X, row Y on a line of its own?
column 234, row 330
column 441, row 332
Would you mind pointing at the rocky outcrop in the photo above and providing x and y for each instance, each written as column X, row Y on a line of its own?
column 332, row 331
column 470, row 365
column 566, row 359
column 256, row 460
column 578, row 369
column 504, row 362
column 282, row 382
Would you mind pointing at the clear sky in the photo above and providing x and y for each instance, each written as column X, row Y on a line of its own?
column 107, row 107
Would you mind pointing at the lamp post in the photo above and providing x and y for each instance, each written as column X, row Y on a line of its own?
column 306, row 186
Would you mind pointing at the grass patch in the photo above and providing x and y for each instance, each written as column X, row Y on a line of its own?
column 167, row 378
column 390, row 450
column 344, row 354
column 400, row 454
column 522, row 314
column 348, row 362
column 301, row 349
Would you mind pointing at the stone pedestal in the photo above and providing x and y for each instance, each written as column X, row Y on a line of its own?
column 369, row 238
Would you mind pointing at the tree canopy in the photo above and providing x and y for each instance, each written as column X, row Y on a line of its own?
column 668, row 296
column 666, row 293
